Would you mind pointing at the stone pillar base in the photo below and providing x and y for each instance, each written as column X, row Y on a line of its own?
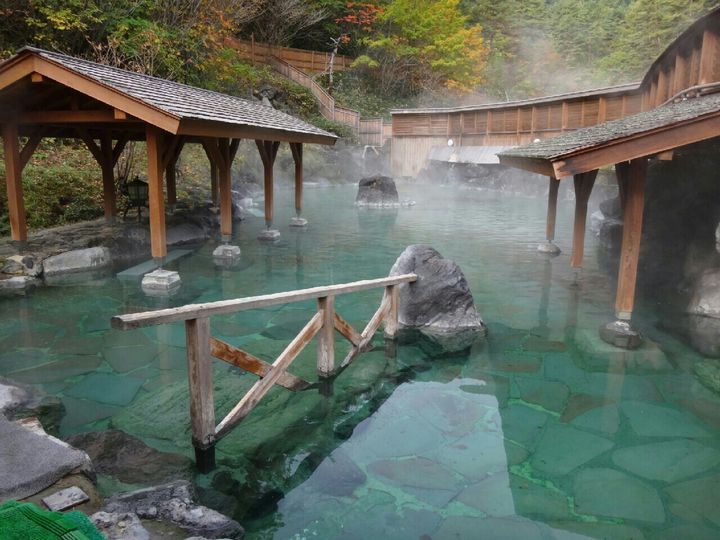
column 298, row 222
column 269, row 235
column 160, row 282
column 226, row 252
column 621, row 334
column 549, row 248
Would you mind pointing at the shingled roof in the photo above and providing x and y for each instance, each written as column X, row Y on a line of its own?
column 179, row 101
column 557, row 153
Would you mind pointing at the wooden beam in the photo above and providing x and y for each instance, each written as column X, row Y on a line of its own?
column 155, row 183
column 206, row 128
column 66, row 117
column 13, row 178
column 583, row 187
column 553, row 188
column 30, row 147
column 193, row 311
column 200, row 380
column 679, row 82
column 666, row 156
column 36, row 78
column 326, row 337
column 261, row 387
column 297, row 153
column 91, row 145
column 622, row 175
column 122, row 141
column 539, row 166
column 18, row 70
column 214, row 185
column 632, row 232
column 119, row 115
column 644, row 144
column 346, row 330
column 252, row 364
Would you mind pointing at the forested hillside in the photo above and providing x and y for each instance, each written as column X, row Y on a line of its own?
column 407, row 50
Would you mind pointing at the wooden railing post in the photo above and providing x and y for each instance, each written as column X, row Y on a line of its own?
column 326, row 337
column 202, row 405
column 391, row 319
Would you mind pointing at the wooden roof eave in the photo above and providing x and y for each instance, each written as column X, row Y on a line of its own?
column 105, row 94
column 615, row 151
column 208, row 128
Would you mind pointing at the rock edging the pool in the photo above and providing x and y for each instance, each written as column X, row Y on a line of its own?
column 439, row 304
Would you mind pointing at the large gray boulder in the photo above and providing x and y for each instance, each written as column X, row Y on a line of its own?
column 31, row 460
column 439, row 304
column 79, row 260
column 173, row 503
column 377, row 190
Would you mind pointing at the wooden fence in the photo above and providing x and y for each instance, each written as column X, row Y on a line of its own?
column 308, row 61
column 201, row 347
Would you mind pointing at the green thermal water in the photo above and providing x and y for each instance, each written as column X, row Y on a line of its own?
column 540, row 431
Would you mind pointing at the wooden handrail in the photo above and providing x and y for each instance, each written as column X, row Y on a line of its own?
column 209, row 309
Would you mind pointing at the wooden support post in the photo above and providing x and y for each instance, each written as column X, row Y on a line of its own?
column 297, row 153
column 583, row 187
column 326, row 337
column 158, row 246
column 13, row 177
column 200, row 380
column 107, row 166
column 554, row 187
column 214, row 187
column 632, row 230
column 391, row 319
column 225, row 189
column 268, row 152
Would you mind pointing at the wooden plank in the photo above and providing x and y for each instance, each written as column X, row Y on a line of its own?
column 632, row 231
column 261, row 387
column 392, row 292
column 16, row 71
column 539, row 166
column 252, row 364
column 158, row 245
column 13, row 178
column 553, row 188
column 192, row 311
column 200, row 380
column 679, row 82
column 583, row 187
column 369, row 331
column 326, row 337
column 346, row 330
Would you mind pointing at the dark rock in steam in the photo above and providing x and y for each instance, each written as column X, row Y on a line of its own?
column 377, row 191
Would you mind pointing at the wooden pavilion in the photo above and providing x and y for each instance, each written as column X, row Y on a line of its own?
column 47, row 94
column 680, row 104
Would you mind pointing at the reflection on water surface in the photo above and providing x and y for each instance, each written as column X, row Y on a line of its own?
column 542, row 431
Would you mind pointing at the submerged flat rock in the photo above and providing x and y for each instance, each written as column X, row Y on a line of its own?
column 648, row 420
column 563, row 448
column 614, row 494
column 667, row 461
